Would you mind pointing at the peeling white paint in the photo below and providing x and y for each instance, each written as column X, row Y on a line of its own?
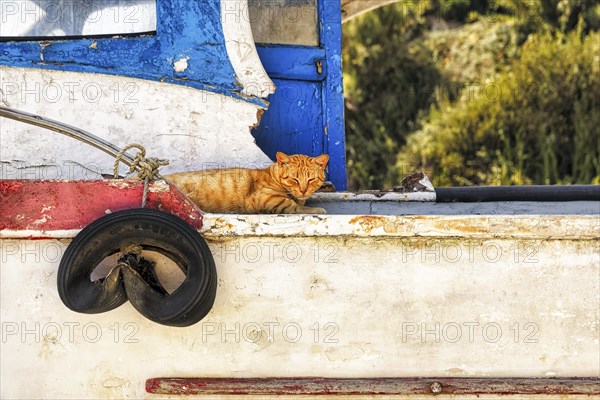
column 191, row 128
column 119, row 183
column 515, row 227
column 158, row 186
column 448, row 226
column 181, row 65
column 241, row 49
column 42, row 220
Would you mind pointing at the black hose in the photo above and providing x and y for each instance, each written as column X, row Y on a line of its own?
column 518, row 193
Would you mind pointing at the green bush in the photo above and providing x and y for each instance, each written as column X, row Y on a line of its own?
column 458, row 10
column 386, row 85
column 536, row 123
column 474, row 53
column 506, row 95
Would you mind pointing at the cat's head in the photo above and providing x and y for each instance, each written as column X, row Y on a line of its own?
column 301, row 175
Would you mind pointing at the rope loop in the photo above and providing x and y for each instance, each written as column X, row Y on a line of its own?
column 146, row 168
column 134, row 249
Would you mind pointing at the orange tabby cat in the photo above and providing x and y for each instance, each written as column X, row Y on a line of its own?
column 282, row 188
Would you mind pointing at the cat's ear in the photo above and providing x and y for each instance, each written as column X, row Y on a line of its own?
column 282, row 158
column 321, row 160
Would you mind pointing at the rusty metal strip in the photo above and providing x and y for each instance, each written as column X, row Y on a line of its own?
column 372, row 386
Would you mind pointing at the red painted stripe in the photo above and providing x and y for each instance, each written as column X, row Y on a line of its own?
column 67, row 205
column 371, row 386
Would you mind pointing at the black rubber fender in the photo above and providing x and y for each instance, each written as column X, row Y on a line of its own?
column 151, row 230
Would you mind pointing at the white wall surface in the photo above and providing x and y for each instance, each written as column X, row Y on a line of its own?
column 369, row 304
column 193, row 129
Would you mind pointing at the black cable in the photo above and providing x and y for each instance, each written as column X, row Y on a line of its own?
column 518, row 193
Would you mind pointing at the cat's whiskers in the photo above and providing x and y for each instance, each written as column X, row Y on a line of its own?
column 317, row 200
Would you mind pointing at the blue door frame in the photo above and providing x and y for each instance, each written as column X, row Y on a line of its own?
column 306, row 113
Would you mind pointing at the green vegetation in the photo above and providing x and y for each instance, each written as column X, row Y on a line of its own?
column 384, row 93
column 474, row 92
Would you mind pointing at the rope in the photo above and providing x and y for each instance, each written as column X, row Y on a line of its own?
column 146, row 168
column 134, row 249
column 131, row 254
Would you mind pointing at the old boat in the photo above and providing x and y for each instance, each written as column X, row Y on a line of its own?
column 448, row 292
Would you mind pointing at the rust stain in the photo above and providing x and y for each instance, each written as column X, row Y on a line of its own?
column 259, row 114
column 461, row 226
column 547, row 227
column 368, row 223
column 317, row 386
column 219, row 239
column 220, row 224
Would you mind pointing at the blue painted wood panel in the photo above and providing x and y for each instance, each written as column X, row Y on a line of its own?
column 185, row 29
column 292, row 62
column 294, row 121
column 306, row 113
column 333, row 90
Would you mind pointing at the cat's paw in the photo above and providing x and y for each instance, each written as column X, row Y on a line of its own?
column 318, row 210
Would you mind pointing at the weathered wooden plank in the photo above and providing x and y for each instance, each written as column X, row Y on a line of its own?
column 371, row 386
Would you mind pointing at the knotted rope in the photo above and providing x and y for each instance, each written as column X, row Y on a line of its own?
column 133, row 260
column 146, row 168
column 134, row 249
